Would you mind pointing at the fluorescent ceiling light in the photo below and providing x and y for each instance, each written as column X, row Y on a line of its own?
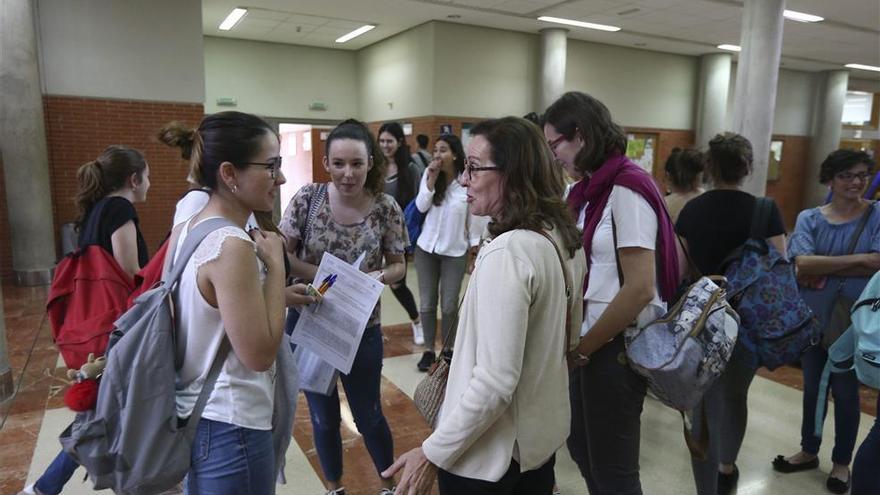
column 232, row 19
column 801, row 17
column 730, row 48
column 354, row 34
column 569, row 22
column 863, row 67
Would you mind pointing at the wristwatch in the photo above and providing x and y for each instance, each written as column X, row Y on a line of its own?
column 578, row 358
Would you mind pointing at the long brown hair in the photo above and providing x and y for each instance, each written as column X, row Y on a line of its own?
column 106, row 174
column 457, row 162
column 577, row 112
column 532, row 184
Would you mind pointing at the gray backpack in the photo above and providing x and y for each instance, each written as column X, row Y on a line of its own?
column 133, row 442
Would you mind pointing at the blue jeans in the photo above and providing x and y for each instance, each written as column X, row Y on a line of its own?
column 362, row 386
column 845, row 389
column 865, row 477
column 57, row 474
column 231, row 460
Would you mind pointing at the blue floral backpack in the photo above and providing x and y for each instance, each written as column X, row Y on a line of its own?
column 775, row 322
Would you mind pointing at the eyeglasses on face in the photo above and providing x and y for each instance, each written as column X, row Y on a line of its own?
column 470, row 169
column 273, row 166
column 849, row 176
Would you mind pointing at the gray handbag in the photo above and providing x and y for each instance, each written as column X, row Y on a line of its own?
column 684, row 351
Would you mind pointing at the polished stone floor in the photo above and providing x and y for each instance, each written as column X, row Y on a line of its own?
column 32, row 420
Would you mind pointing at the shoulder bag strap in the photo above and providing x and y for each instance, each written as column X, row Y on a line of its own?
column 315, row 204
column 568, row 292
column 854, row 242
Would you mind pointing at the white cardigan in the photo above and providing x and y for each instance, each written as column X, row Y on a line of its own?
column 507, row 394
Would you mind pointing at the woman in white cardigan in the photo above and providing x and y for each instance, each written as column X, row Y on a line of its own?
column 505, row 412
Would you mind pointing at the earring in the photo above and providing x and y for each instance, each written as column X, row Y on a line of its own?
column 235, row 189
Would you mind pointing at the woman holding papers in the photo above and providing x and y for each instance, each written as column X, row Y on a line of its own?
column 505, row 411
column 351, row 215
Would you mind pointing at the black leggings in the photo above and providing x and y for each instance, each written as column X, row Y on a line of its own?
column 405, row 297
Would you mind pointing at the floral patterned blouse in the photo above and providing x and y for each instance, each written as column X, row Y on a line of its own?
column 382, row 231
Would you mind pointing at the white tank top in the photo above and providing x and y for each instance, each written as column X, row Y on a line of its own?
column 240, row 397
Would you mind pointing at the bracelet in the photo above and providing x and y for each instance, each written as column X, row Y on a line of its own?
column 578, row 358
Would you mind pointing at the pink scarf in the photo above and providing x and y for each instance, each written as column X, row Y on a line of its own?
column 594, row 191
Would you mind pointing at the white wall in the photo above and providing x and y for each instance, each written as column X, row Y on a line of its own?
column 280, row 80
column 482, row 72
column 641, row 88
column 795, row 99
column 395, row 77
column 134, row 49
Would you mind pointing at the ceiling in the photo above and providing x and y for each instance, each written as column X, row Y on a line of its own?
column 849, row 34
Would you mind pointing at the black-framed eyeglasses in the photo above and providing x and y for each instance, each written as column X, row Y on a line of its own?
column 849, row 176
column 273, row 166
column 470, row 169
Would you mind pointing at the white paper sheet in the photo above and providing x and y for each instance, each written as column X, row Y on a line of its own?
column 333, row 329
column 315, row 375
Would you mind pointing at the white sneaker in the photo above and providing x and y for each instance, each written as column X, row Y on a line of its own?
column 418, row 333
column 28, row 490
column 338, row 491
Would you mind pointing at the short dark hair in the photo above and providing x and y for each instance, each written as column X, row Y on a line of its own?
column 729, row 159
column 684, row 167
column 422, row 140
column 579, row 112
column 841, row 161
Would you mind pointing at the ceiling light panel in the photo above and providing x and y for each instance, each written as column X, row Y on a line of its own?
column 730, row 48
column 232, row 19
column 354, row 34
column 794, row 15
column 863, row 67
column 572, row 22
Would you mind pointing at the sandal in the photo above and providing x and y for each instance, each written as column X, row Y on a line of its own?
column 783, row 466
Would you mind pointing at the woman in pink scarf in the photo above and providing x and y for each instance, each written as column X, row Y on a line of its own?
column 633, row 271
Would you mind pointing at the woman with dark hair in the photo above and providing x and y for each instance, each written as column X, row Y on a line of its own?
column 354, row 216
column 626, row 231
column 830, row 266
column 712, row 225
column 684, row 177
column 107, row 189
column 450, row 233
column 232, row 288
column 504, row 413
column 402, row 177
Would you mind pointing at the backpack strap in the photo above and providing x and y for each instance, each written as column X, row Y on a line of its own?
column 190, row 243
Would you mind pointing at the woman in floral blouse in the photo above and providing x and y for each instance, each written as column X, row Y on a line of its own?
column 354, row 216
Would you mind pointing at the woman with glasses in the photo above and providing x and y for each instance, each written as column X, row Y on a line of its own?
column 626, row 230
column 353, row 216
column 505, row 411
column 826, row 270
column 449, row 234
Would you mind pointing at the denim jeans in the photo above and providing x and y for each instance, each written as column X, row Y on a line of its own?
column 845, row 389
column 865, row 475
column 362, row 387
column 514, row 482
column 726, row 410
column 230, row 460
column 612, row 396
column 57, row 474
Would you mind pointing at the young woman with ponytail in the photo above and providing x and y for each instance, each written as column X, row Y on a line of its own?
column 108, row 187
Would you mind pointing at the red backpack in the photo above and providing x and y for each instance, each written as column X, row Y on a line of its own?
column 88, row 293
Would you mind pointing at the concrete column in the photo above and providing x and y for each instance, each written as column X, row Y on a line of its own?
column 827, row 114
column 7, row 385
column 553, row 56
column 756, row 78
column 23, row 144
column 712, row 96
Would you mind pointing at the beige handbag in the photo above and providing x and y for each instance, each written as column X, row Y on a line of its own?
column 431, row 390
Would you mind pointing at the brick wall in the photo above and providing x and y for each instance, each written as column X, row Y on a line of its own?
column 78, row 129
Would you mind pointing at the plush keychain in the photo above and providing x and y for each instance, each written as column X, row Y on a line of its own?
column 83, row 392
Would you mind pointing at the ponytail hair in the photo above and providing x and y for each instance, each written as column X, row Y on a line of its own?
column 233, row 137
column 104, row 175
column 356, row 130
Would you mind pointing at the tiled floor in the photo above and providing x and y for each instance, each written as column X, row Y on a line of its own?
column 35, row 417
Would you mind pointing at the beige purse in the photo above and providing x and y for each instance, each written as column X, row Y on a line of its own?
column 431, row 390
